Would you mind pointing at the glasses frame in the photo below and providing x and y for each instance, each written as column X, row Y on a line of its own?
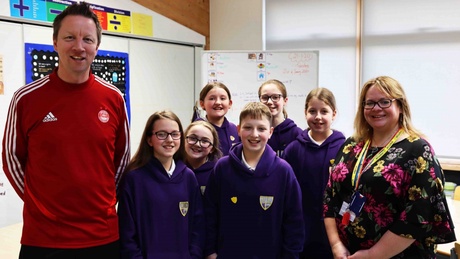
column 197, row 140
column 269, row 97
column 378, row 103
column 167, row 134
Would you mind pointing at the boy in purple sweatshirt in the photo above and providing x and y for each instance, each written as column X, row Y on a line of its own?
column 253, row 201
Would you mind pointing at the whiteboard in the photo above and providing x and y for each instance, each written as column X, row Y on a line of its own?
column 244, row 72
column 11, row 51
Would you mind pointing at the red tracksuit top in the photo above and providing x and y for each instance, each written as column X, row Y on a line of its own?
column 64, row 149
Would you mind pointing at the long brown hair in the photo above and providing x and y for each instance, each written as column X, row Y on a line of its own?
column 145, row 152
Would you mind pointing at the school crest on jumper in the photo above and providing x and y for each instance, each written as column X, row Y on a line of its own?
column 183, row 207
column 202, row 189
column 266, row 202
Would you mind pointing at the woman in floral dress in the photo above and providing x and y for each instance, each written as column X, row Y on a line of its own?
column 385, row 195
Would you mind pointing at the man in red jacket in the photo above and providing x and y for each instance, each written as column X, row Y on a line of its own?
column 65, row 146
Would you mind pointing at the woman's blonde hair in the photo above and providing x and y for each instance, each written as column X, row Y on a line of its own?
column 394, row 90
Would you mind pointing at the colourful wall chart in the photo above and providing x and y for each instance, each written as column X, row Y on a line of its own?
column 111, row 19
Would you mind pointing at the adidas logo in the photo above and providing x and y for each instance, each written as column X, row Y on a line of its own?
column 49, row 117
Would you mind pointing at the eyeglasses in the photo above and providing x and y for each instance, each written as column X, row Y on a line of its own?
column 203, row 142
column 162, row 135
column 275, row 98
column 384, row 103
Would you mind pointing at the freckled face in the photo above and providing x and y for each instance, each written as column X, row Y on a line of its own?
column 76, row 44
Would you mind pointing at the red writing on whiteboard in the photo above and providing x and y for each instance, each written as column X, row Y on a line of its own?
column 296, row 71
column 300, row 56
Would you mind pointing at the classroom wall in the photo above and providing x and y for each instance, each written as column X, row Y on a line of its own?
column 193, row 15
column 236, row 25
column 415, row 41
column 335, row 71
column 163, row 28
column 329, row 27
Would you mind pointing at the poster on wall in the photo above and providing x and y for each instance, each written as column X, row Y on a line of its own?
column 111, row 66
column 111, row 19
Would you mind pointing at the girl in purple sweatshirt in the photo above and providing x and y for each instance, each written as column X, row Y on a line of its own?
column 201, row 150
column 273, row 94
column 310, row 156
column 160, row 205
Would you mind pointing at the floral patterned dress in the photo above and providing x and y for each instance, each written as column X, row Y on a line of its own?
column 404, row 195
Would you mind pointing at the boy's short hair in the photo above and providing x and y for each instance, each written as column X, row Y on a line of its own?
column 256, row 110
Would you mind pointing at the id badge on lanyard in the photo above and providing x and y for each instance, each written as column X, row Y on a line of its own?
column 350, row 211
column 353, row 209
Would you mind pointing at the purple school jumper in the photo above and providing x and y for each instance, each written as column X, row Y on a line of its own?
column 161, row 217
column 253, row 214
column 228, row 135
column 202, row 174
column 283, row 135
column 310, row 163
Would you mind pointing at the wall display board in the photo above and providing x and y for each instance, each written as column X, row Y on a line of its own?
column 111, row 19
column 244, row 72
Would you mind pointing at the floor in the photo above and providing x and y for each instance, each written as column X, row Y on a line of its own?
column 10, row 237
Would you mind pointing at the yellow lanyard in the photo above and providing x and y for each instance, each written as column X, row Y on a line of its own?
column 358, row 169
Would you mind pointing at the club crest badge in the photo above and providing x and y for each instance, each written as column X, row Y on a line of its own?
column 183, row 207
column 103, row 116
column 266, row 202
column 232, row 138
column 234, row 199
